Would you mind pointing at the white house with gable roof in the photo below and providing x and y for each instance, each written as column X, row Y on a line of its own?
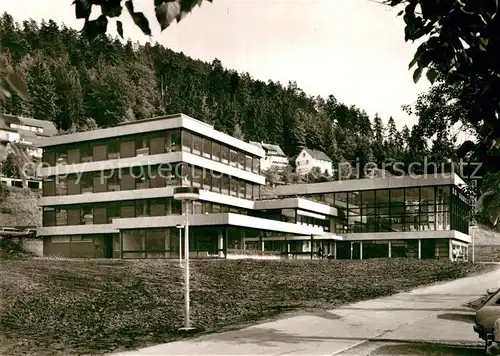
column 309, row 159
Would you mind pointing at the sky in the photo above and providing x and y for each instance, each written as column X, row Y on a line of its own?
column 353, row 49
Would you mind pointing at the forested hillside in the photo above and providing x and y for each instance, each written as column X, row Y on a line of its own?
column 77, row 85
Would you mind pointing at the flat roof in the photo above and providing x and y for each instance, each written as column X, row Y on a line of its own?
column 370, row 184
column 150, row 125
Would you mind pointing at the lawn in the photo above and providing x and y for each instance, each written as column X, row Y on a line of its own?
column 61, row 306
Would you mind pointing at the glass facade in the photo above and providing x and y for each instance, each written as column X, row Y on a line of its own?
column 430, row 208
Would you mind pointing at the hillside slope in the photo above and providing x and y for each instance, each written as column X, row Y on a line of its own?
column 18, row 207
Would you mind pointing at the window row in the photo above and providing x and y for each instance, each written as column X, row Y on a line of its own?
column 407, row 197
column 150, row 144
column 104, row 213
column 150, row 177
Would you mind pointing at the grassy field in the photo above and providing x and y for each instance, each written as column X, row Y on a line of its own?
column 61, row 307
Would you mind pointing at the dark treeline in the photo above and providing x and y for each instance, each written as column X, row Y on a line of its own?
column 79, row 86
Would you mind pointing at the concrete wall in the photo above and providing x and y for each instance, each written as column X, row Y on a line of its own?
column 485, row 253
column 34, row 246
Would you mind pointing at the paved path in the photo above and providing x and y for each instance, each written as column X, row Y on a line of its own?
column 427, row 321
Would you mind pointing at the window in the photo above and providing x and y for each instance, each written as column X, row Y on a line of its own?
column 186, row 141
column 113, row 181
column 87, row 215
column 197, row 177
column 157, row 143
column 207, row 148
column 173, row 140
column 127, row 209
column 113, row 148
column 99, row 182
column 128, row 180
column 224, row 154
column 207, row 208
column 234, row 158
column 256, row 165
column 197, row 207
column 49, row 157
column 127, row 147
column 74, row 215
column 61, row 217
column 241, row 160
column 112, row 211
column 242, row 186
column 73, row 155
column 100, row 152
column 234, row 186
column 157, row 178
column 249, row 191
column 141, row 208
column 141, row 145
column 59, row 239
column 157, row 207
column 74, row 185
column 49, row 187
column 225, row 186
column 49, row 216
column 86, row 183
column 207, row 179
column 216, row 182
column 197, row 144
column 86, row 153
column 62, row 185
column 216, row 151
column 248, row 163
column 100, row 214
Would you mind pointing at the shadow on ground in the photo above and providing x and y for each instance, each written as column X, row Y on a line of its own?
column 408, row 348
column 466, row 318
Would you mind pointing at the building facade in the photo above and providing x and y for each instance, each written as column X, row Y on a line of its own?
column 412, row 216
column 274, row 157
column 308, row 159
column 109, row 193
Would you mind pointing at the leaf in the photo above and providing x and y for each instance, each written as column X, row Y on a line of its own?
column 139, row 19
column 418, row 54
column 96, row 27
column 167, row 12
column 17, row 84
column 119, row 28
column 432, row 75
column 82, row 9
column 112, row 8
column 417, row 74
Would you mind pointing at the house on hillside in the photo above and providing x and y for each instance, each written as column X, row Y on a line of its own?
column 25, row 131
column 309, row 159
column 275, row 157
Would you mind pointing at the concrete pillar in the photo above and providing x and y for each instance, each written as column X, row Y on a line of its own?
column 220, row 243
column 361, row 250
column 450, row 250
column 390, row 249
column 419, row 249
column 335, row 250
column 352, row 248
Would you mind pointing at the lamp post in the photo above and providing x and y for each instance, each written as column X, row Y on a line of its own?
column 186, row 194
column 180, row 227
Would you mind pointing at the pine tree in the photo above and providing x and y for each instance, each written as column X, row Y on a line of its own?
column 378, row 129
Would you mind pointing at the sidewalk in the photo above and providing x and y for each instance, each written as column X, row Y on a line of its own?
column 332, row 332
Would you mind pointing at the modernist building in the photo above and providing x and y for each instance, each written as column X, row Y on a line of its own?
column 412, row 216
column 109, row 193
column 274, row 158
column 308, row 159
